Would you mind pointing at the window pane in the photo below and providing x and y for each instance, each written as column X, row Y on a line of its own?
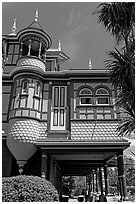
column 16, row 49
column 10, row 50
column 102, row 101
column 24, row 87
column 61, row 117
column 55, row 118
column 9, row 59
column 102, row 91
column 56, row 96
column 15, row 57
column 86, row 100
column 86, row 91
column 62, row 97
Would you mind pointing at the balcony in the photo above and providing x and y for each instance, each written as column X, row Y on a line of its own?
column 31, row 62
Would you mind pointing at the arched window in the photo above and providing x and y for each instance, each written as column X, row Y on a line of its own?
column 85, row 96
column 102, row 97
column 24, row 86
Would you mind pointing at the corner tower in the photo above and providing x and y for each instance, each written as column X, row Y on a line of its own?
column 27, row 49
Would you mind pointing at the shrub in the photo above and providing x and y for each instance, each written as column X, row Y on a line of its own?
column 28, row 189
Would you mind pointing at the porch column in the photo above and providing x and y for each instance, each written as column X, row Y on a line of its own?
column 101, row 182
column 96, row 181
column 44, row 165
column 29, row 49
column 93, row 180
column 51, row 172
column 121, row 176
column 106, row 179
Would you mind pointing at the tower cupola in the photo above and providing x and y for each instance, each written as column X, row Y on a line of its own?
column 34, row 42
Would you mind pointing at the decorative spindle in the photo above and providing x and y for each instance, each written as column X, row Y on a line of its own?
column 59, row 45
column 90, row 64
column 36, row 15
column 14, row 28
column 29, row 47
column 40, row 48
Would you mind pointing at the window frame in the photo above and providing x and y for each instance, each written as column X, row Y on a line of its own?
column 27, row 88
column 89, row 96
column 102, row 96
column 13, row 54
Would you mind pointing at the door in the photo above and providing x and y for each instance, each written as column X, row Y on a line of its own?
column 58, row 108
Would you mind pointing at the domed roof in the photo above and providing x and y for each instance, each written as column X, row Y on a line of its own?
column 35, row 29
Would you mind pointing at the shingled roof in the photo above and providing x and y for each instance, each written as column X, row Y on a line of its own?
column 95, row 130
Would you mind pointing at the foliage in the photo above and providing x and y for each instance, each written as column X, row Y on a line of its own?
column 131, row 193
column 129, row 167
column 129, row 171
column 68, row 184
column 28, row 189
column 119, row 19
column 80, row 186
column 74, row 185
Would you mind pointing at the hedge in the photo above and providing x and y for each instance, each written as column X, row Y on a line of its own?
column 28, row 189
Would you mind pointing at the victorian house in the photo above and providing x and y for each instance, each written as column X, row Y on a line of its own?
column 56, row 122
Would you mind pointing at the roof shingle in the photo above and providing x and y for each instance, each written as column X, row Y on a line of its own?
column 95, row 130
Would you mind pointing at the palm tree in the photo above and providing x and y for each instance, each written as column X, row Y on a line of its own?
column 119, row 19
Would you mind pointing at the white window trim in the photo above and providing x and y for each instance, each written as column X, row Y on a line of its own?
column 85, row 104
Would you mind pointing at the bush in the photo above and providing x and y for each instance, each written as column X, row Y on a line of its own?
column 28, row 189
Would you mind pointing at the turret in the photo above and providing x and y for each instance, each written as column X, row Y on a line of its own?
column 26, row 97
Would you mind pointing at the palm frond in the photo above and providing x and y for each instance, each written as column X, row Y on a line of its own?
column 117, row 18
column 119, row 67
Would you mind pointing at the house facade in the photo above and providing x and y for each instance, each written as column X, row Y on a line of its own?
column 56, row 122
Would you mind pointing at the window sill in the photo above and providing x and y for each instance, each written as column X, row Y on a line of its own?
column 97, row 105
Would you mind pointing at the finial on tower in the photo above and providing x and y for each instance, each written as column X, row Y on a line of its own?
column 59, row 45
column 36, row 15
column 14, row 28
column 90, row 63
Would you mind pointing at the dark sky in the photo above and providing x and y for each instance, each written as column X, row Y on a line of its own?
column 73, row 23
